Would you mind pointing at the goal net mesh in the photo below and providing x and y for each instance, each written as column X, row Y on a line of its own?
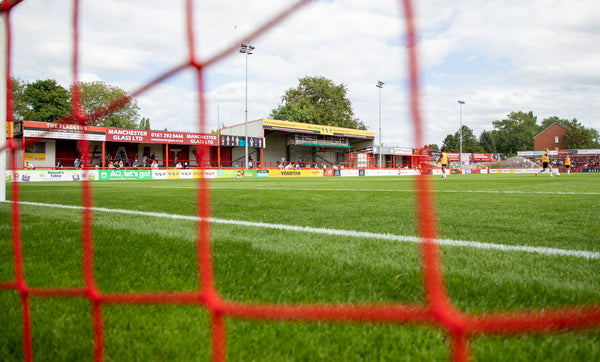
column 437, row 310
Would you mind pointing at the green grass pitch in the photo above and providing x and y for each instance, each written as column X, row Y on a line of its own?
column 143, row 252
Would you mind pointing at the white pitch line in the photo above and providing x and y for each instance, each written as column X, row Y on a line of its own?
column 337, row 232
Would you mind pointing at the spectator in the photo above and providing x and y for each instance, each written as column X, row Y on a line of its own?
column 59, row 165
column 135, row 163
column 154, row 164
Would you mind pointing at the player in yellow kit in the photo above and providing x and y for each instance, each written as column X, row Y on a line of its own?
column 545, row 162
column 568, row 165
column 444, row 162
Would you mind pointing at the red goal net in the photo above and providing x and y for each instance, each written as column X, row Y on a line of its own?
column 437, row 311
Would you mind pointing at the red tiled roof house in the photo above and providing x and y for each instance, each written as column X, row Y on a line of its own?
column 551, row 138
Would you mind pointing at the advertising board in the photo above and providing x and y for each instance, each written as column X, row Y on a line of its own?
column 109, row 175
column 166, row 137
column 296, row 173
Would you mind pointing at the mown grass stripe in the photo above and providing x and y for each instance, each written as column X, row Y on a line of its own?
column 345, row 233
column 390, row 190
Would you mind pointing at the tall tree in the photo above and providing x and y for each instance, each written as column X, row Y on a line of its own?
column 97, row 95
column 317, row 100
column 595, row 138
column 547, row 122
column 47, row 101
column 43, row 101
column 451, row 143
column 19, row 105
column 580, row 137
column 469, row 141
column 486, row 140
column 470, row 144
column 515, row 133
column 144, row 123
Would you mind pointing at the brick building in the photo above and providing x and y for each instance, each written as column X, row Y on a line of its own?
column 551, row 138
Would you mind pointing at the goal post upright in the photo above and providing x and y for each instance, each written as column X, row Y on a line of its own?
column 3, row 104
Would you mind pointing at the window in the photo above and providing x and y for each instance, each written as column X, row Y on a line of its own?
column 35, row 152
column 556, row 139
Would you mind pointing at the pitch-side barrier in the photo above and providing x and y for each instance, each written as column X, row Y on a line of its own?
column 177, row 174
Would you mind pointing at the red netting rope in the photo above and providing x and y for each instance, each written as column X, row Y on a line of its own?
column 438, row 311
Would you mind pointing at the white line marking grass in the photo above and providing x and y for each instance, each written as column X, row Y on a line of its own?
column 346, row 233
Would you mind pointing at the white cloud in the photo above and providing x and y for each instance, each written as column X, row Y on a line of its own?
column 499, row 56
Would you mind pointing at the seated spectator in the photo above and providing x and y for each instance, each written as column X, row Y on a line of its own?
column 154, row 164
column 76, row 163
column 59, row 165
column 29, row 165
column 135, row 163
column 111, row 165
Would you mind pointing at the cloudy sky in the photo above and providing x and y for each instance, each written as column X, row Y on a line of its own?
column 498, row 56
